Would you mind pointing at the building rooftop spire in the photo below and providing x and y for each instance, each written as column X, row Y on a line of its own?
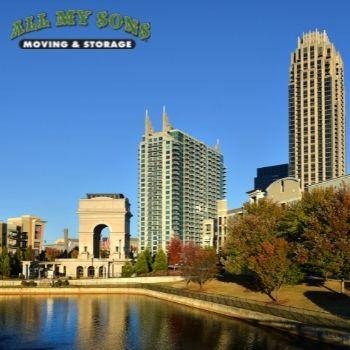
column 166, row 124
column 217, row 146
column 148, row 125
column 314, row 37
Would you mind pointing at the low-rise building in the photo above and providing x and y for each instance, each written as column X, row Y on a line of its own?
column 336, row 183
column 221, row 225
column 282, row 191
column 25, row 231
column 208, row 232
column 224, row 217
column 214, row 231
column 60, row 244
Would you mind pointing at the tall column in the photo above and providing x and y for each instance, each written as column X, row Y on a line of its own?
column 65, row 232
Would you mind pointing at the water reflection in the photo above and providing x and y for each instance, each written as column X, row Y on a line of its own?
column 126, row 322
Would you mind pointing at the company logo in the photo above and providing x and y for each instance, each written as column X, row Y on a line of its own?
column 81, row 18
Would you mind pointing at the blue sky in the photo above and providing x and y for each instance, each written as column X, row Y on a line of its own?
column 71, row 121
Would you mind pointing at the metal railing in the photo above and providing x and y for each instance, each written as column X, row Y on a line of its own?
column 309, row 317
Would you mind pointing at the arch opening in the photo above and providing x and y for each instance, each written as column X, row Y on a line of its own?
column 80, row 272
column 91, row 271
column 100, row 271
column 101, row 241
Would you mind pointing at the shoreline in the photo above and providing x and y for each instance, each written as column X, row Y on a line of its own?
column 318, row 333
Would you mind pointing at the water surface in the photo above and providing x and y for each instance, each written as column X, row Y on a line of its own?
column 127, row 322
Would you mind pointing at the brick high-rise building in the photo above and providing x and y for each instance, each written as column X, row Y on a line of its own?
column 316, row 111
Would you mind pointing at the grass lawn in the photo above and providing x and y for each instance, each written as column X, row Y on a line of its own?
column 312, row 297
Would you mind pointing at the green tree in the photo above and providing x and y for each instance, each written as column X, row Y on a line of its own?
column 6, row 265
column 3, row 255
column 16, row 263
column 142, row 265
column 149, row 258
column 127, row 270
column 1, row 260
column 42, row 255
column 29, row 254
column 160, row 261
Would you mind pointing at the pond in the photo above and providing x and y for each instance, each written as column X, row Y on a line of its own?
column 127, row 322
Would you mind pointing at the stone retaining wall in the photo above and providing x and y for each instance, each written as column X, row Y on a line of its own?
column 103, row 281
column 10, row 283
column 330, row 336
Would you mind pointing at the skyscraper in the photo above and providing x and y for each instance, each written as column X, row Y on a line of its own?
column 316, row 111
column 180, row 181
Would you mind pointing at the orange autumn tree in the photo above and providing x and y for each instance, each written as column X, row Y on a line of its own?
column 199, row 265
column 255, row 247
column 73, row 254
column 174, row 251
column 326, row 238
column 246, row 233
column 318, row 228
column 52, row 253
column 271, row 265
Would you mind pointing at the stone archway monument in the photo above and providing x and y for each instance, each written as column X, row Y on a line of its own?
column 98, row 211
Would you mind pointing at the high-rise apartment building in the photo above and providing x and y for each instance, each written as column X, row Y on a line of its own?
column 316, row 111
column 180, row 181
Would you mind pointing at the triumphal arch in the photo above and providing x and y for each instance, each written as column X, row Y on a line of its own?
column 96, row 212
